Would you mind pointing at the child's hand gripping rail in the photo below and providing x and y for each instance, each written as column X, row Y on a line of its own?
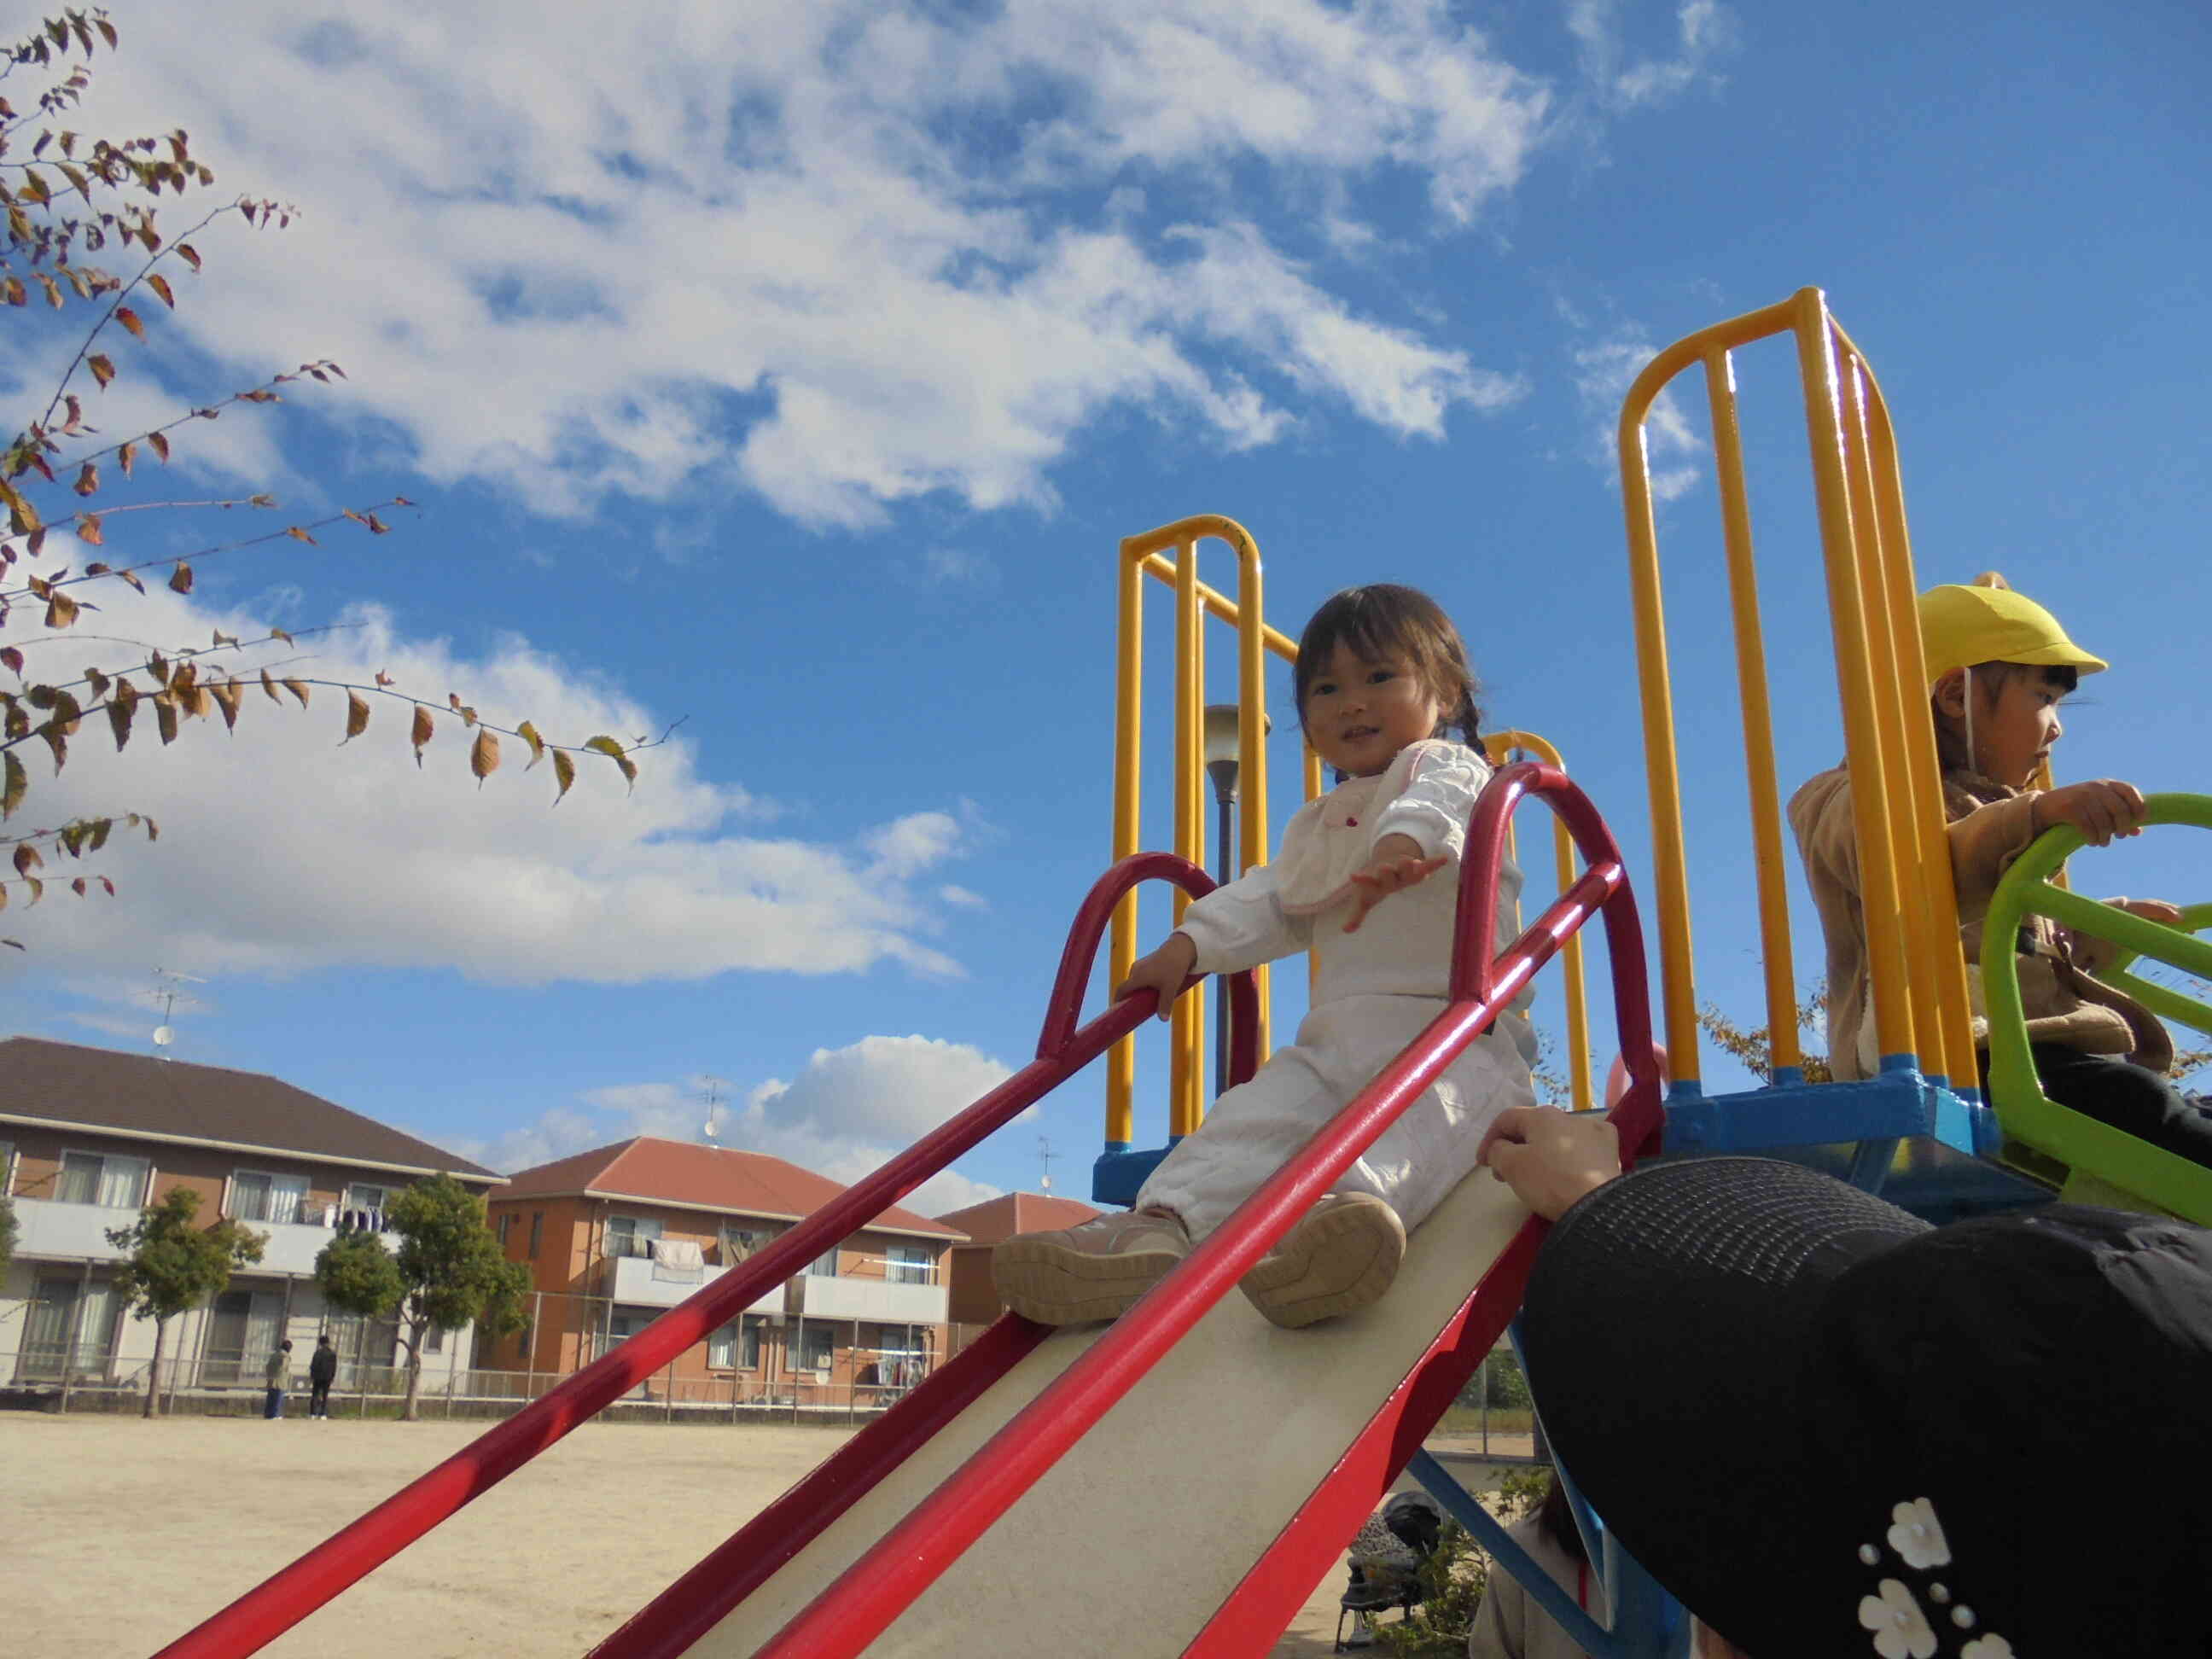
column 273, row 1606
column 885, row 1580
column 2084, row 1144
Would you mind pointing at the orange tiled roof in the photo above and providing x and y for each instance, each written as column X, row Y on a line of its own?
column 704, row 1177
column 1017, row 1212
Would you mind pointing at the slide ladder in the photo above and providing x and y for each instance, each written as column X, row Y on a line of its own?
column 834, row 1565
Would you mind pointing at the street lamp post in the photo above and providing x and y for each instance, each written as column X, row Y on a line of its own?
column 1221, row 766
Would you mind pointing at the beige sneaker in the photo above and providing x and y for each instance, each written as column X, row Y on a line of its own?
column 1095, row 1271
column 1342, row 1255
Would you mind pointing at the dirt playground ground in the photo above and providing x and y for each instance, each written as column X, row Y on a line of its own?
column 117, row 1536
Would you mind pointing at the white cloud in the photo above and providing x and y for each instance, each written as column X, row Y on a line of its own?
column 863, row 246
column 1603, row 372
column 1705, row 31
column 844, row 1115
column 360, row 859
column 962, row 897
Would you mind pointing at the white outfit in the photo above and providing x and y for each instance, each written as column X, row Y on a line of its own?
column 1511, row 1625
column 1374, row 991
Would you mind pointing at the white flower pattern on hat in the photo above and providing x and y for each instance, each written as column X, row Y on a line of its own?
column 1901, row 1628
column 1987, row 1647
column 1917, row 1536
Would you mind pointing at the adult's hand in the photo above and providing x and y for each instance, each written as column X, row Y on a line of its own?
column 1549, row 1158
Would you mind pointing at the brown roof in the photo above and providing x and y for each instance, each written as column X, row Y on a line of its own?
column 140, row 1094
column 700, row 1177
column 1017, row 1212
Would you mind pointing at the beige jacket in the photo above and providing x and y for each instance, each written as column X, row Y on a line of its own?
column 1990, row 826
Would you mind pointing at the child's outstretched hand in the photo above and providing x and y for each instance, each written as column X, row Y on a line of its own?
column 2100, row 809
column 1164, row 971
column 1398, row 864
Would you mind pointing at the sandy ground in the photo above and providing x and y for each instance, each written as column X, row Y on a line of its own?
column 116, row 1535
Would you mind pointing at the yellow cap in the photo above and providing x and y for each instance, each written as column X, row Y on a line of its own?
column 1962, row 626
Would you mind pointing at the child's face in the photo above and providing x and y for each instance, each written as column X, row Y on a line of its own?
column 2014, row 728
column 1359, row 715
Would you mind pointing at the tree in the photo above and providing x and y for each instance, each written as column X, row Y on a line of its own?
column 66, row 195
column 7, row 1233
column 1753, row 1046
column 174, row 1266
column 449, row 1273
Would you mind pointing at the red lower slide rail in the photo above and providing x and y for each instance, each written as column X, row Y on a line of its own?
column 279, row 1602
column 879, row 1586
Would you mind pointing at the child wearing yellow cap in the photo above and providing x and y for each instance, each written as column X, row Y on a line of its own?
column 1996, row 665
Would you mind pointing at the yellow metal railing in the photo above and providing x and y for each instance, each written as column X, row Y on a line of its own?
column 1501, row 746
column 1169, row 554
column 1918, row 973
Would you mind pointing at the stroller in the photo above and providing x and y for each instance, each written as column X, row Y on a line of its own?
column 1388, row 1555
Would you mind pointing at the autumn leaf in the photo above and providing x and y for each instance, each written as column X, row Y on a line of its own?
column 269, row 686
column 564, row 773
column 180, row 579
column 299, row 690
column 604, row 745
column 483, row 756
column 118, row 716
column 161, row 445
column 356, row 717
column 87, row 480
column 299, row 534
column 77, row 885
column 102, row 370
column 28, row 857
column 13, row 783
column 185, row 252
column 12, row 660
column 226, row 696
column 528, row 733
column 160, row 284
column 125, row 456
column 61, row 610
column 88, row 530
column 422, row 733
column 128, row 318
column 165, row 717
column 383, row 678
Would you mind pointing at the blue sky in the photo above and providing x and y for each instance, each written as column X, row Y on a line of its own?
column 792, row 374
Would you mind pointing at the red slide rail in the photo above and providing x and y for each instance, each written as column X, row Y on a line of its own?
column 279, row 1602
column 885, row 1580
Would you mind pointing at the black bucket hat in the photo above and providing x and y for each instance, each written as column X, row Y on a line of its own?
column 1830, row 1429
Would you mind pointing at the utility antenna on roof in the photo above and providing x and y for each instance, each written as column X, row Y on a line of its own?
column 164, row 1033
column 712, row 1087
column 1044, row 1156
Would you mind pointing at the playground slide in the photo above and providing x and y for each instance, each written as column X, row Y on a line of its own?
column 1131, row 1542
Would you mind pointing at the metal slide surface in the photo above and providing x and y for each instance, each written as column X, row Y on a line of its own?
column 1130, row 1544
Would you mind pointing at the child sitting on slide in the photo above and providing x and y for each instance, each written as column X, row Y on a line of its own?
column 1368, row 880
column 1996, row 665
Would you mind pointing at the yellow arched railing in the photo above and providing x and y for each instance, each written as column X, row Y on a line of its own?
column 1920, row 1004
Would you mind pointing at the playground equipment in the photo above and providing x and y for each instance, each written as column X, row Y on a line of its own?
column 1028, row 1475
column 2082, row 1146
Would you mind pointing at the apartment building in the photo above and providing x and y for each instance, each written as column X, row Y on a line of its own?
column 89, row 1136
column 974, row 1299
column 615, row 1236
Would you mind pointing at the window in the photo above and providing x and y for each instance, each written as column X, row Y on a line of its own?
column 823, row 1266
column 815, row 1344
column 506, row 1226
column 911, row 1264
column 255, row 1196
column 737, row 1345
column 537, row 1231
column 738, row 1242
column 71, row 1329
column 360, row 1196
column 631, row 1234
column 114, row 1183
column 433, row 1339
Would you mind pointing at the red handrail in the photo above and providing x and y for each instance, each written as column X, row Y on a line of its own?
column 280, row 1602
column 883, row 1582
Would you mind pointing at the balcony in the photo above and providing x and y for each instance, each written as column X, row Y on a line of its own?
column 632, row 1279
column 75, row 1231
column 881, row 1300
